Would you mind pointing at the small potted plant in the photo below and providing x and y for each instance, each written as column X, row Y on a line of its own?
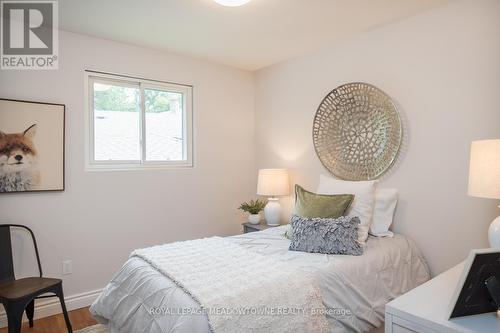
column 253, row 207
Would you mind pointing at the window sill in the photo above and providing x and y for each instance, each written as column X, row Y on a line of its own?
column 137, row 167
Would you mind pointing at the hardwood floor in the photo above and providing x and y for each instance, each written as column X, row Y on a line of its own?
column 80, row 318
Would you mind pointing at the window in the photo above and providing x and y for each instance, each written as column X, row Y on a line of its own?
column 137, row 123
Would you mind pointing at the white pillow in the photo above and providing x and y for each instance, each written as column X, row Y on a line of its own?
column 364, row 199
column 383, row 213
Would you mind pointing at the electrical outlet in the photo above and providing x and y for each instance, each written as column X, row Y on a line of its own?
column 67, row 267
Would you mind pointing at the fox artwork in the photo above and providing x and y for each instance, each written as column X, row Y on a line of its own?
column 18, row 161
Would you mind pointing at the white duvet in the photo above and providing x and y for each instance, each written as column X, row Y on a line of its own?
column 354, row 288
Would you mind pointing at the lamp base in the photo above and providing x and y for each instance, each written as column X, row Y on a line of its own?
column 494, row 233
column 272, row 212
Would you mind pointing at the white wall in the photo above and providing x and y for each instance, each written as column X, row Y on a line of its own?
column 443, row 69
column 102, row 216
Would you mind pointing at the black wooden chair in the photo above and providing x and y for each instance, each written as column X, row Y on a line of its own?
column 19, row 295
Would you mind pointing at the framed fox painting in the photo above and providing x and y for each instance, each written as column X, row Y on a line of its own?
column 31, row 146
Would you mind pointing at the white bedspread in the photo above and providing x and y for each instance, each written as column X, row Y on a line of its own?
column 223, row 278
column 354, row 289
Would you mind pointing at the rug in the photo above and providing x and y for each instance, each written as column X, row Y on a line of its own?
column 93, row 329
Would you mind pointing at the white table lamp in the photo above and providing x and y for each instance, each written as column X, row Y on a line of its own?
column 484, row 178
column 273, row 183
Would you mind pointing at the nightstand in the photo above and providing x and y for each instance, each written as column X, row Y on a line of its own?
column 248, row 227
column 425, row 310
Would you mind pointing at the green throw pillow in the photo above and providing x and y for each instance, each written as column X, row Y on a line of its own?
column 309, row 204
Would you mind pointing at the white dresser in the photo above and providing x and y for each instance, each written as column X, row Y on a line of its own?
column 425, row 309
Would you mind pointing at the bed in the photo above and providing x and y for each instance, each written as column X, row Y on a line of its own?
column 357, row 287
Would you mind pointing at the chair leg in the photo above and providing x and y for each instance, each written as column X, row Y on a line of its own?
column 30, row 312
column 59, row 292
column 14, row 316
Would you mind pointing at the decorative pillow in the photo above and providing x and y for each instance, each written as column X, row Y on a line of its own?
column 309, row 204
column 386, row 200
column 325, row 235
column 364, row 199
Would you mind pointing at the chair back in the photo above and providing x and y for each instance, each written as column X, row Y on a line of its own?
column 7, row 262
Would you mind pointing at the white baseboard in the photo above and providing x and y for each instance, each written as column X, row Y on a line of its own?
column 50, row 306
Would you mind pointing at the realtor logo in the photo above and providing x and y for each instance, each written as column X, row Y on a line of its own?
column 29, row 36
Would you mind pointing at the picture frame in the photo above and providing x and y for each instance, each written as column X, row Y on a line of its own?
column 32, row 146
column 471, row 296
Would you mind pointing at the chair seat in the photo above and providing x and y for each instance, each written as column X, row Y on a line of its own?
column 20, row 288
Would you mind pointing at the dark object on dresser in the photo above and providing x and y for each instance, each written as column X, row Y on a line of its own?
column 19, row 295
column 478, row 290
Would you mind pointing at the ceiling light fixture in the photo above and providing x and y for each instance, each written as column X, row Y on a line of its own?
column 232, row 3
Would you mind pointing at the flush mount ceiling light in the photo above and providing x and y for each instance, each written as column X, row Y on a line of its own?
column 232, row 3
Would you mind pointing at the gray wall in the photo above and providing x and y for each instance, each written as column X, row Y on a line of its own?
column 103, row 215
column 443, row 69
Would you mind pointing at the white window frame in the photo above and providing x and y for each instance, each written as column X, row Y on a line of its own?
column 128, row 81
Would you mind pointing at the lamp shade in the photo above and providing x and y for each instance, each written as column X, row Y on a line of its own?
column 484, row 171
column 273, row 182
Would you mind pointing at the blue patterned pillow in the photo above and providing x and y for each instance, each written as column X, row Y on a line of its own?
column 326, row 235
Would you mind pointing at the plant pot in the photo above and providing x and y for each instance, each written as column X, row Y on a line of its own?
column 254, row 218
